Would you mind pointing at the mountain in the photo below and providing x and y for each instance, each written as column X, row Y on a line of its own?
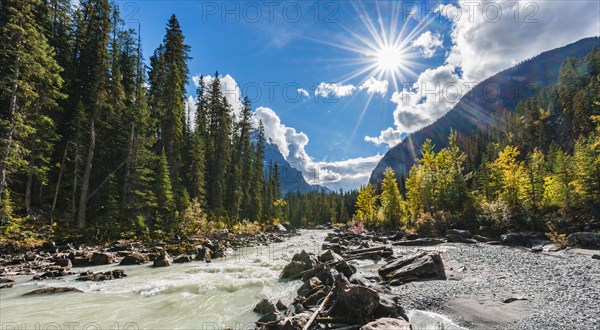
column 479, row 109
column 291, row 179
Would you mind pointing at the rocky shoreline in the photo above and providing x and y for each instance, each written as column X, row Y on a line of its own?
column 460, row 275
column 53, row 261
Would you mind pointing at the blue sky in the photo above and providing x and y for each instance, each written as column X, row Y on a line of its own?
column 422, row 56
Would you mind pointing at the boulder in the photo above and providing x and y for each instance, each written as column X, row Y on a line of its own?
column 330, row 256
column 101, row 259
column 455, row 238
column 296, row 322
column 308, row 286
column 355, row 303
column 97, row 277
column 280, row 305
column 460, row 232
column 587, row 240
column 270, row 317
column 386, row 324
column 414, row 267
column 264, row 307
column 30, row 256
column 481, row 239
column 182, row 259
column 596, row 256
column 345, row 268
column 516, row 239
column 51, row 290
column 389, row 307
column 163, row 260
column 300, row 262
column 134, row 258
column 412, row 236
column 204, row 253
column 66, row 263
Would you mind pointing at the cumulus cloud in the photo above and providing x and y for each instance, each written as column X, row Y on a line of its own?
column 229, row 88
column 347, row 174
column 487, row 37
column 334, row 90
column 390, row 137
column 428, row 43
column 373, row 86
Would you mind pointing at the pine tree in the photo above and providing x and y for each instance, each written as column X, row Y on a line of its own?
column 165, row 215
column 258, row 176
column 31, row 84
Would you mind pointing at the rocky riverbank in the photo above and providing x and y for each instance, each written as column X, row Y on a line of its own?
column 368, row 281
column 53, row 260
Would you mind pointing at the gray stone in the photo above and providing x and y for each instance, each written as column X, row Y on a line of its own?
column 460, row 232
column 300, row 262
column 516, row 239
column 134, row 258
column 587, row 240
column 52, row 290
column 163, row 260
column 387, row 324
column 414, row 267
column 264, row 307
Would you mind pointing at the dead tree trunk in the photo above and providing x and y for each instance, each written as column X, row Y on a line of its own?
column 85, row 182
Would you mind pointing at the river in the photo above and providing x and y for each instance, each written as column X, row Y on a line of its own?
column 196, row 295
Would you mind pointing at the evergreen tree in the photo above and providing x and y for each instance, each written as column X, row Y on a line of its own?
column 30, row 87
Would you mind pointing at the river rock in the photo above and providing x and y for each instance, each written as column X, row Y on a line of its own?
column 414, row 267
column 280, row 305
column 516, row 239
column 101, row 259
column 460, row 232
column 420, row 242
column 389, row 306
column 596, row 256
column 52, row 290
column 386, row 324
column 587, row 240
column 355, row 303
column 264, row 307
column 163, row 260
column 134, row 258
column 271, row 317
column 330, row 256
column 66, row 263
column 481, row 239
column 204, row 253
column 300, row 262
column 30, row 256
column 296, row 322
column 345, row 268
column 6, row 286
column 182, row 259
column 308, row 286
column 456, row 238
column 98, row 277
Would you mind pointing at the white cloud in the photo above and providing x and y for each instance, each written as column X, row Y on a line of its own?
column 390, row 136
column 334, row 90
column 375, row 86
column 483, row 44
column 347, row 174
column 302, row 92
column 486, row 43
column 229, row 88
column 428, row 43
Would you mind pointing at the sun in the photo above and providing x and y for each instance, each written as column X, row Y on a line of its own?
column 389, row 58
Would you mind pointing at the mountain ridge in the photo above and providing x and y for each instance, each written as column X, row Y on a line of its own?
column 474, row 111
